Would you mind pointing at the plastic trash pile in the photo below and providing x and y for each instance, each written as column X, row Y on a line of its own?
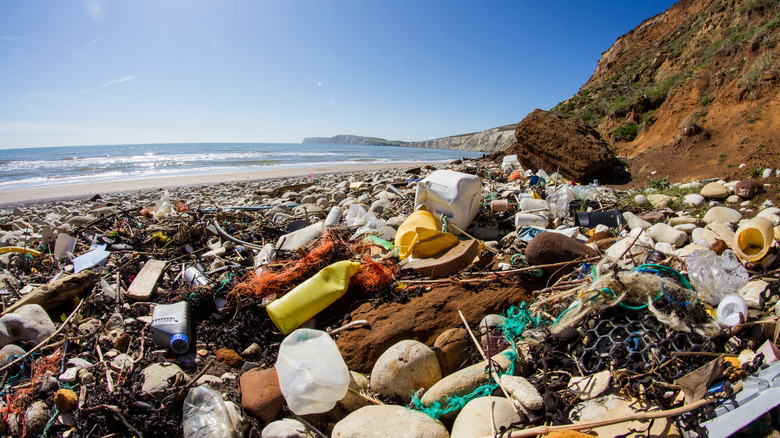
column 470, row 300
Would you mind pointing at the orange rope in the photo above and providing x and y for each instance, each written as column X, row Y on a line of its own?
column 22, row 397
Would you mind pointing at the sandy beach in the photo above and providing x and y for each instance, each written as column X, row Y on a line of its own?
column 86, row 190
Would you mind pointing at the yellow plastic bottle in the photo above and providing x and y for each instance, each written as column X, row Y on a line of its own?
column 312, row 296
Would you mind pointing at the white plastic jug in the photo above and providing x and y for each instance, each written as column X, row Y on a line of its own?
column 509, row 161
column 531, row 204
column 530, row 220
column 454, row 194
column 312, row 374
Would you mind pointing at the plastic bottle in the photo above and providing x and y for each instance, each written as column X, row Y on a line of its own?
column 312, row 296
column 530, row 220
column 171, row 326
column 194, row 277
column 312, row 373
column 530, row 204
column 334, row 216
column 732, row 310
column 206, row 415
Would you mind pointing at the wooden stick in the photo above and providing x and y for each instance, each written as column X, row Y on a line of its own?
column 493, row 373
column 108, row 370
column 45, row 341
column 542, row 430
column 358, row 323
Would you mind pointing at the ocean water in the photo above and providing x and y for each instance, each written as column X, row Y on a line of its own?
column 35, row 167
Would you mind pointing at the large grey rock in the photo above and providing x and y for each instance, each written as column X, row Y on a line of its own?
column 388, row 421
column 404, row 368
column 475, row 419
column 722, row 215
column 29, row 323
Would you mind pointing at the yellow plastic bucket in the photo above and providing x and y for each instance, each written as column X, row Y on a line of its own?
column 753, row 239
column 407, row 235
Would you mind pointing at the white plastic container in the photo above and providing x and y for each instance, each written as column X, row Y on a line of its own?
column 302, row 237
column 531, row 204
column 453, row 194
column 509, row 161
column 334, row 216
column 530, row 220
column 312, row 373
column 194, row 277
column 171, row 326
column 732, row 310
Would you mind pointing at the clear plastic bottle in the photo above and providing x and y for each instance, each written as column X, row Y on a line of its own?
column 171, row 326
column 206, row 415
column 312, row 296
column 312, row 374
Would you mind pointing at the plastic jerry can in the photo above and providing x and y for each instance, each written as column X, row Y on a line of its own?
column 453, row 194
column 509, row 161
column 313, row 376
column 312, row 296
column 171, row 326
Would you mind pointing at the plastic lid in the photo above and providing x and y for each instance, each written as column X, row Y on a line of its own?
column 732, row 310
column 180, row 343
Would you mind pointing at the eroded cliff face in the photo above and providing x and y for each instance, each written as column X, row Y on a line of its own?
column 490, row 140
column 691, row 92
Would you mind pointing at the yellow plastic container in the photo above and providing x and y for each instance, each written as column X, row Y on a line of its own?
column 312, row 296
column 406, row 236
column 753, row 239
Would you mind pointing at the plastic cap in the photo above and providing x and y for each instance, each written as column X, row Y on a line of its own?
column 732, row 310
column 180, row 343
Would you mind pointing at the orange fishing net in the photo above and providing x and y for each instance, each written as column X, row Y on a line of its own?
column 373, row 276
column 270, row 283
column 22, row 397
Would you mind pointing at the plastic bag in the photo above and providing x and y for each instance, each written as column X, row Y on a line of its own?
column 164, row 207
column 357, row 215
column 205, row 414
column 714, row 276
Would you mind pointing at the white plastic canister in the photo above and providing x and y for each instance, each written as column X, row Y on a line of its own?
column 530, row 220
column 453, row 194
column 510, row 160
column 530, row 204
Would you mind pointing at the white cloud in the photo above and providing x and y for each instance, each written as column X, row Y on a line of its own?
column 18, row 127
column 92, row 42
column 95, row 10
column 112, row 82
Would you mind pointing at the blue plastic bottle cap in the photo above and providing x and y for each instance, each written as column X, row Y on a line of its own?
column 180, row 343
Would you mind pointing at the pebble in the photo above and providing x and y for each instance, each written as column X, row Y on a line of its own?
column 714, row 190
column 752, row 293
column 65, row 399
column 28, row 323
column 634, row 221
column 260, row 394
column 523, row 391
column 664, row 233
column 388, row 421
column 360, row 384
column 159, row 377
column 286, row 428
column 733, row 199
column 659, row 201
column 641, row 200
column 404, row 368
column 36, row 417
column 722, row 215
column 592, row 386
column 693, row 200
column 450, row 348
column 475, row 419
column 8, row 352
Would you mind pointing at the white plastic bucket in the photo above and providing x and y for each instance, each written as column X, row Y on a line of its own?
column 453, row 194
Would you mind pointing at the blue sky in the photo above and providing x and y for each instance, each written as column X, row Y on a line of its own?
column 158, row 71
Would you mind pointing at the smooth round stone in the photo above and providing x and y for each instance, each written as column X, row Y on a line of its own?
column 733, row 199
column 722, row 215
column 388, row 421
column 664, row 233
column 685, row 228
column 693, row 199
column 286, row 428
column 634, row 221
column 767, row 173
column 358, row 383
column 714, row 190
column 659, row 200
column 664, row 247
column 404, row 368
column 641, row 200
column 521, row 390
column 451, row 349
column 475, row 419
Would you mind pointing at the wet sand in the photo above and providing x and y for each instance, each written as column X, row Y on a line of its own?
column 87, row 190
